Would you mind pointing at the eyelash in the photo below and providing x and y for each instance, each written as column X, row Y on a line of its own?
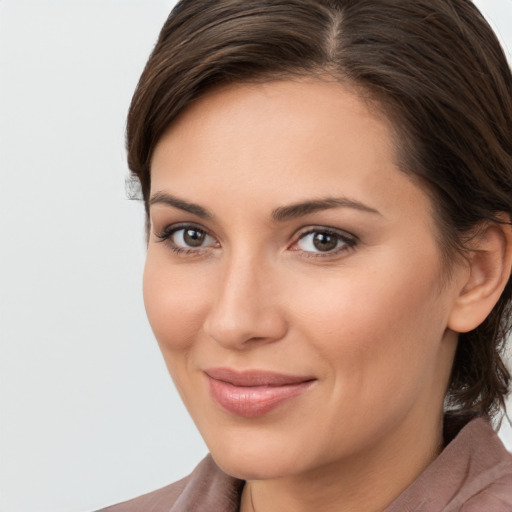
column 348, row 240
column 166, row 235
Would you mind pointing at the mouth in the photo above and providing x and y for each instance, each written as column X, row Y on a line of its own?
column 253, row 393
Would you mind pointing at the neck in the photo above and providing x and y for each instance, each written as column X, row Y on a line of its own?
column 367, row 481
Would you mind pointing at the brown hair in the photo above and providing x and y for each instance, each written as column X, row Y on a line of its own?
column 434, row 66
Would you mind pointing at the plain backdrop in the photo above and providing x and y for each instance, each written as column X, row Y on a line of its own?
column 88, row 414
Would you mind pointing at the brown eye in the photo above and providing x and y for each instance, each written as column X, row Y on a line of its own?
column 189, row 237
column 325, row 241
column 193, row 237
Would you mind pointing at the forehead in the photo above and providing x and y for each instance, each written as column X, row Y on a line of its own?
column 280, row 141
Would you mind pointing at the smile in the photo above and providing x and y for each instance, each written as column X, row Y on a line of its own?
column 253, row 393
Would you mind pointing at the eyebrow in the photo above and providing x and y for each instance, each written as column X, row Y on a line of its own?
column 180, row 204
column 280, row 214
column 284, row 213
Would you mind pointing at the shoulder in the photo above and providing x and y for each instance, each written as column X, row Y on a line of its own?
column 495, row 497
column 487, row 483
column 206, row 488
column 472, row 474
column 155, row 501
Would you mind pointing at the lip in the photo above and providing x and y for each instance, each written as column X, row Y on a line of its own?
column 255, row 392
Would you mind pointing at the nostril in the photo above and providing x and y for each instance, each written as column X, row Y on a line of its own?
column 246, row 328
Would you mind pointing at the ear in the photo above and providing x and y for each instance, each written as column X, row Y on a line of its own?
column 490, row 262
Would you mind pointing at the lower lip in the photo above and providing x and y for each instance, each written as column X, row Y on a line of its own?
column 253, row 401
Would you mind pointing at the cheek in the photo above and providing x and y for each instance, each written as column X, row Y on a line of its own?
column 377, row 346
column 175, row 303
column 371, row 323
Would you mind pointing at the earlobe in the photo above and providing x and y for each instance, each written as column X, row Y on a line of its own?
column 490, row 262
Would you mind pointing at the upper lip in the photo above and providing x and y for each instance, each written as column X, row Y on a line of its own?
column 251, row 378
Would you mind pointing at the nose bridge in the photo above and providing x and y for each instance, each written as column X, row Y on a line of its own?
column 244, row 308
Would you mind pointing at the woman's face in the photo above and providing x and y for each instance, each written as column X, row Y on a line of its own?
column 294, row 282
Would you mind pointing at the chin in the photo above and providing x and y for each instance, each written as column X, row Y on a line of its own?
column 259, row 455
column 263, row 466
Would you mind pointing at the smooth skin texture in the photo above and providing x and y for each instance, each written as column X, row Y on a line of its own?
column 351, row 291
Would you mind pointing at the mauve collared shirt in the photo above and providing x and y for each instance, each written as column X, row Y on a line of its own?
column 472, row 474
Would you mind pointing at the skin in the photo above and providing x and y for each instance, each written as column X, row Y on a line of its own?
column 368, row 320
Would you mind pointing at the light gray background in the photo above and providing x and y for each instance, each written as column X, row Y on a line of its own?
column 88, row 415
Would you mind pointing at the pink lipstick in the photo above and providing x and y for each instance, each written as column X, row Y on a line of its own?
column 253, row 393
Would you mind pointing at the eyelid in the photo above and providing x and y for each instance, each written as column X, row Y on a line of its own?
column 325, row 229
column 169, row 229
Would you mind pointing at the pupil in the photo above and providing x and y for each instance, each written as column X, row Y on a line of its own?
column 325, row 242
column 193, row 237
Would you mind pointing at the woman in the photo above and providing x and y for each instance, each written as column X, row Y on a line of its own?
column 328, row 194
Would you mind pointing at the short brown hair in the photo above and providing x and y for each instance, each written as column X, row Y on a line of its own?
column 434, row 66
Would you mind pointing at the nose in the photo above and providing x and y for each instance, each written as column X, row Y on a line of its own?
column 245, row 308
